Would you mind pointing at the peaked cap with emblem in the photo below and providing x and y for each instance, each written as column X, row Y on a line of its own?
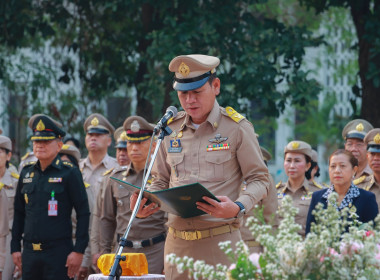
column 120, row 136
column 5, row 143
column 299, row 147
column 356, row 129
column 266, row 154
column 192, row 71
column 45, row 128
column 138, row 129
column 372, row 139
column 98, row 124
column 70, row 150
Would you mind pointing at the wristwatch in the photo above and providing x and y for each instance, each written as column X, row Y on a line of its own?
column 241, row 213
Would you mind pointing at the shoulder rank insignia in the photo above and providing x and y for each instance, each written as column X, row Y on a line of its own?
column 25, row 156
column 108, row 171
column 1, row 185
column 86, row 184
column 359, row 180
column 316, row 184
column 29, row 163
column 15, row 175
column 368, row 187
column 278, row 185
column 234, row 115
column 68, row 163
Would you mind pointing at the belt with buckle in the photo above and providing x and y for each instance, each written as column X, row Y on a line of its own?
column 143, row 243
column 201, row 234
column 40, row 246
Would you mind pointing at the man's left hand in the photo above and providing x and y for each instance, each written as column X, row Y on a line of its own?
column 226, row 208
column 74, row 260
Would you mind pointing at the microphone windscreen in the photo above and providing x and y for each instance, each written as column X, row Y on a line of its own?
column 173, row 110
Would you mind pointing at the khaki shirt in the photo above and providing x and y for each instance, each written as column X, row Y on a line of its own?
column 9, row 183
column 301, row 200
column 365, row 173
column 116, row 211
column 94, row 176
column 369, row 184
column 269, row 206
column 221, row 171
column 27, row 159
column 4, row 226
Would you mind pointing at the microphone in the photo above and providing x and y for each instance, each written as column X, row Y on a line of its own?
column 171, row 112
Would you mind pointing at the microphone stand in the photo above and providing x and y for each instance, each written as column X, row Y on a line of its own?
column 116, row 269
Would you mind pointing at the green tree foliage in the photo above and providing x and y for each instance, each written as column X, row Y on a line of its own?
column 129, row 44
column 366, row 17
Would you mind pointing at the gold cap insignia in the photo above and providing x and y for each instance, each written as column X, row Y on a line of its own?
column 65, row 147
column 40, row 126
column 135, row 126
column 123, row 136
column 376, row 139
column 184, row 70
column 95, row 121
column 295, row 145
column 360, row 127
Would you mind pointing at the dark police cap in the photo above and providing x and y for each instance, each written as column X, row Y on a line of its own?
column 120, row 137
column 97, row 123
column 138, row 129
column 45, row 128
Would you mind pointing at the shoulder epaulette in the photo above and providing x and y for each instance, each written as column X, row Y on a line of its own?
column 15, row 175
column 25, row 156
column 1, row 185
column 234, row 115
column 316, row 184
column 108, row 171
column 359, row 180
column 68, row 163
column 86, row 184
column 278, row 185
column 29, row 163
column 180, row 115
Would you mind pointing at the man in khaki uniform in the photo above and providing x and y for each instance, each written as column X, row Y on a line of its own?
column 4, row 229
column 302, row 191
column 98, row 138
column 372, row 182
column 216, row 147
column 269, row 207
column 146, row 235
column 8, row 184
column 353, row 134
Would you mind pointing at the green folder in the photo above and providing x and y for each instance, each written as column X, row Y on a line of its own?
column 179, row 201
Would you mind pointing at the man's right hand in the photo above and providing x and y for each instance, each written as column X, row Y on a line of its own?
column 16, row 256
column 144, row 210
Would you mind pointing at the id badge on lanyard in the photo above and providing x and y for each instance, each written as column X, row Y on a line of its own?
column 52, row 205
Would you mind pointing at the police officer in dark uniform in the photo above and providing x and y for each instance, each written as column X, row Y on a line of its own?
column 47, row 192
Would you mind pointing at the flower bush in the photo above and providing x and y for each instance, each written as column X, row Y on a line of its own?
column 338, row 247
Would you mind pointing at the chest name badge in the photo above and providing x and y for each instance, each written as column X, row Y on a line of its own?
column 55, row 180
column 218, row 147
column 27, row 180
column 52, row 205
column 175, row 146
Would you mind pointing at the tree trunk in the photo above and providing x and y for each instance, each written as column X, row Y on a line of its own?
column 360, row 11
